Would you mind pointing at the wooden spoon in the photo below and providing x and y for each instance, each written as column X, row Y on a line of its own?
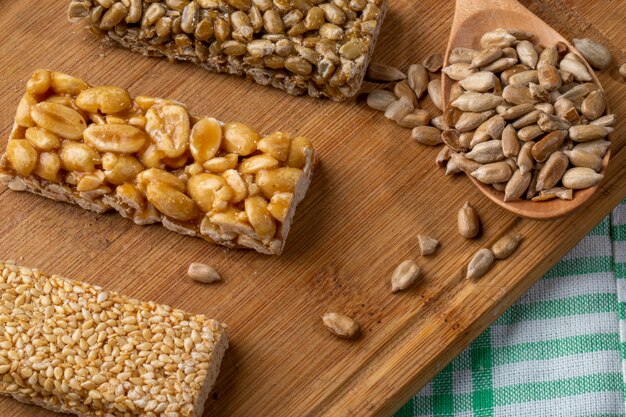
column 471, row 20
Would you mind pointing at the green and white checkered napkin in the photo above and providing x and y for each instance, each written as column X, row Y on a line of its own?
column 559, row 351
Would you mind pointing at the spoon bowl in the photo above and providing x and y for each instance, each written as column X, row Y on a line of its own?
column 471, row 20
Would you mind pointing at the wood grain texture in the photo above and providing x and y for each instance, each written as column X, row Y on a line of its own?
column 374, row 191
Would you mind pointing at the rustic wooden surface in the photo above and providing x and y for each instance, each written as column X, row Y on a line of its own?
column 373, row 193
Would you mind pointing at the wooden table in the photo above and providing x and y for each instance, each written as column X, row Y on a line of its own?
column 373, row 193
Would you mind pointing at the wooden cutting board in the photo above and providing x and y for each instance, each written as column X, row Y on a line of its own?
column 373, row 192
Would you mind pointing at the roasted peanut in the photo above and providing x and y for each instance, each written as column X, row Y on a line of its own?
column 205, row 139
column 171, row 202
column 22, row 156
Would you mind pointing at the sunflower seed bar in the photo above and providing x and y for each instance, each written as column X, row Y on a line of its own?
column 152, row 161
column 74, row 348
column 318, row 47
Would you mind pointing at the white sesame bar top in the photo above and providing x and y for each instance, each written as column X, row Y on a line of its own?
column 316, row 47
column 74, row 348
column 152, row 161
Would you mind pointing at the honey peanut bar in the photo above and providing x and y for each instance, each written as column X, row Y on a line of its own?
column 152, row 161
column 74, row 348
column 319, row 47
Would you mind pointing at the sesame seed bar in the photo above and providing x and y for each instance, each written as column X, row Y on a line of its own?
column 153, row 161
column 74, row 348
column 319, row 47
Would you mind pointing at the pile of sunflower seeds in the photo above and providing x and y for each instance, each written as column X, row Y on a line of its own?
column 525, row 119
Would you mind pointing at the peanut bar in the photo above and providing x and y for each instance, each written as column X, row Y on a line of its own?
column 152, row 161
column 319, row 47
column 74, row 348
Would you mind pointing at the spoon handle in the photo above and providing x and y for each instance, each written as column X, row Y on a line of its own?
column 466, row 8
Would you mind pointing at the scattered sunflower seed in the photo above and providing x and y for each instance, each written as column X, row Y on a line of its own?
column 468, row 221
column 384, row 73
column 404, row 276
column 481, row 263
column 595, row 53
column 341, row 325
column 203, row 273
column 506, row 245
column 428, row 245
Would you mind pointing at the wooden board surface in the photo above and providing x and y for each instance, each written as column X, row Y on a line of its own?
column 374, row 191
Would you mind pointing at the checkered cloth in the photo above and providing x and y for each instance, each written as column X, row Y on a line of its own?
column 559, row 351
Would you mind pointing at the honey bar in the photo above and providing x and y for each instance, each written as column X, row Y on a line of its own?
column 74, row 348
column 152, row 161
column 316, row 47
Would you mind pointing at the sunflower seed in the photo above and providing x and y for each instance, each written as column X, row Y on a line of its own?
column 506, row 245
column 428, row 245
column 524, row 78
column 548, row 145
column 481, row 263
column 528, row 133
column 203, row 273
column 456, row 91
column 552, row 193
column 549, row 123
column 517, row 185
column 552, row 171
column 486, row 57
column 595, row 53
column 434, row 92
column 547, row 108
column 462, row 55
column 518, row 94
column 402, row 89
column 527, row 54
column 583, row 159
column 622, row 70
column 587, row 133
column 438, row 122
column 417, row 78
column 404, row 276
column 498, row 37
column 477, row 102
column 464, row 164
column 549, row 77
column 458, row 71
column 433, row 63
column 518, row 111
column 486, row 152
column 532, row 188
column 579, row 178
column 525, row 160
column 480, row 82
column 515, row 69
column 572, row 65
column 380, row 99
column 579, row 91
column 594, row 105
column 427, row 135
column 468, row 221
column 384, row 73
column 414, row 119
column 549, row 56
column 493, row 173
column 399, row 109
column 491, row 129
column 510, row 142
column 341, row 325
column 470, row 120
column 500, row 65
column 597, row 147
column 451, row 168
column 443, row 156
column 606, row 121
column 538, row 92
